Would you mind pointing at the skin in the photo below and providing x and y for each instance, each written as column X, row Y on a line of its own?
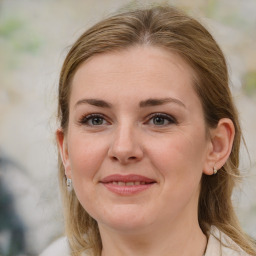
column 127, row 138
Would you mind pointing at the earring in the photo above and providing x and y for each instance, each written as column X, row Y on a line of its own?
column 69, row 184
column 215, row 171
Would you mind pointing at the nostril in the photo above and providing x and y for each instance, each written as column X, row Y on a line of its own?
column 114, row 158
column 124, row 160
column 129, row 158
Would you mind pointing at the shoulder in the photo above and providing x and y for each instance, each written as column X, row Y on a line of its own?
column 58, row 248
column 220, row 244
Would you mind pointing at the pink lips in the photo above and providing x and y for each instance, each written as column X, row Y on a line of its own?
column 127, row 184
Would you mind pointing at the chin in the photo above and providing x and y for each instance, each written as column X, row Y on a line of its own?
column 125, row 219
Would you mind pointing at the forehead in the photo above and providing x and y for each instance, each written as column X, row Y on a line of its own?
column 141, row 69
column 151, row 56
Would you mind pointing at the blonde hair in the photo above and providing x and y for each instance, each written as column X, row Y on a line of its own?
column 175, row 31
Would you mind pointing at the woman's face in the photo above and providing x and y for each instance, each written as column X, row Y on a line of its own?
column 136, row 143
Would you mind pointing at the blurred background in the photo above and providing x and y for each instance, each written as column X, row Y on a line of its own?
column 34, row 38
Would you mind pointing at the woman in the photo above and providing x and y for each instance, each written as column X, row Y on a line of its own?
column 149, row 140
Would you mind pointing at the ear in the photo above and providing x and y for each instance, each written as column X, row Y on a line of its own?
column 221, row 141
column 63, row 149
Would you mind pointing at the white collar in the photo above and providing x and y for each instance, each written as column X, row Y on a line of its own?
column 222, row 245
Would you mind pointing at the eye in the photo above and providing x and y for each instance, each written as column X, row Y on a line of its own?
column 161, row 119
column 93, row 120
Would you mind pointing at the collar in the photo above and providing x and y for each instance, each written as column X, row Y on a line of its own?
column 222, row 245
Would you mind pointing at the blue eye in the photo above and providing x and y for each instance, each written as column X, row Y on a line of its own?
column 161, row 119
column 93, row 120
column 96, row 121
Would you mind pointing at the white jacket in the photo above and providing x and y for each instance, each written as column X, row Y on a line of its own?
column 219, row 244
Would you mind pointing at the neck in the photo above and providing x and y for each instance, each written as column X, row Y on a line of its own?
column 181, row 239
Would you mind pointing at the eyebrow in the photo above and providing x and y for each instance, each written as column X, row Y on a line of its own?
column 146, row 103
column 94, row 102
column 162, row 101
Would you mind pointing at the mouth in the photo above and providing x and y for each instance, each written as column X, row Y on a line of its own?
column 127, row 184
column 131, row 183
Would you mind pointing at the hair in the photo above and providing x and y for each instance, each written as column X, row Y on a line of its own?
column 168, row 28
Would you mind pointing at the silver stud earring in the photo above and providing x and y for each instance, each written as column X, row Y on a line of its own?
column 215, row 171
column 69, row 184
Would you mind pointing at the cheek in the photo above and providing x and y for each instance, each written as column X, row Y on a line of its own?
column 180, row 157
column 86, row 156
column 179, row 162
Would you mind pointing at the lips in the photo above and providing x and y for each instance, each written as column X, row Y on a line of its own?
column 127, row 184
column 132, row 178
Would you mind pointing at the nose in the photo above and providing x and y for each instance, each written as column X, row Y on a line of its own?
column 125, row 146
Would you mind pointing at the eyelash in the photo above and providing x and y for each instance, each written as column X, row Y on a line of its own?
column 86, row 118
column 169, row 118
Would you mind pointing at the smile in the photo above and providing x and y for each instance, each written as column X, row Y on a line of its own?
column 120, row 183
column 127, row 184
